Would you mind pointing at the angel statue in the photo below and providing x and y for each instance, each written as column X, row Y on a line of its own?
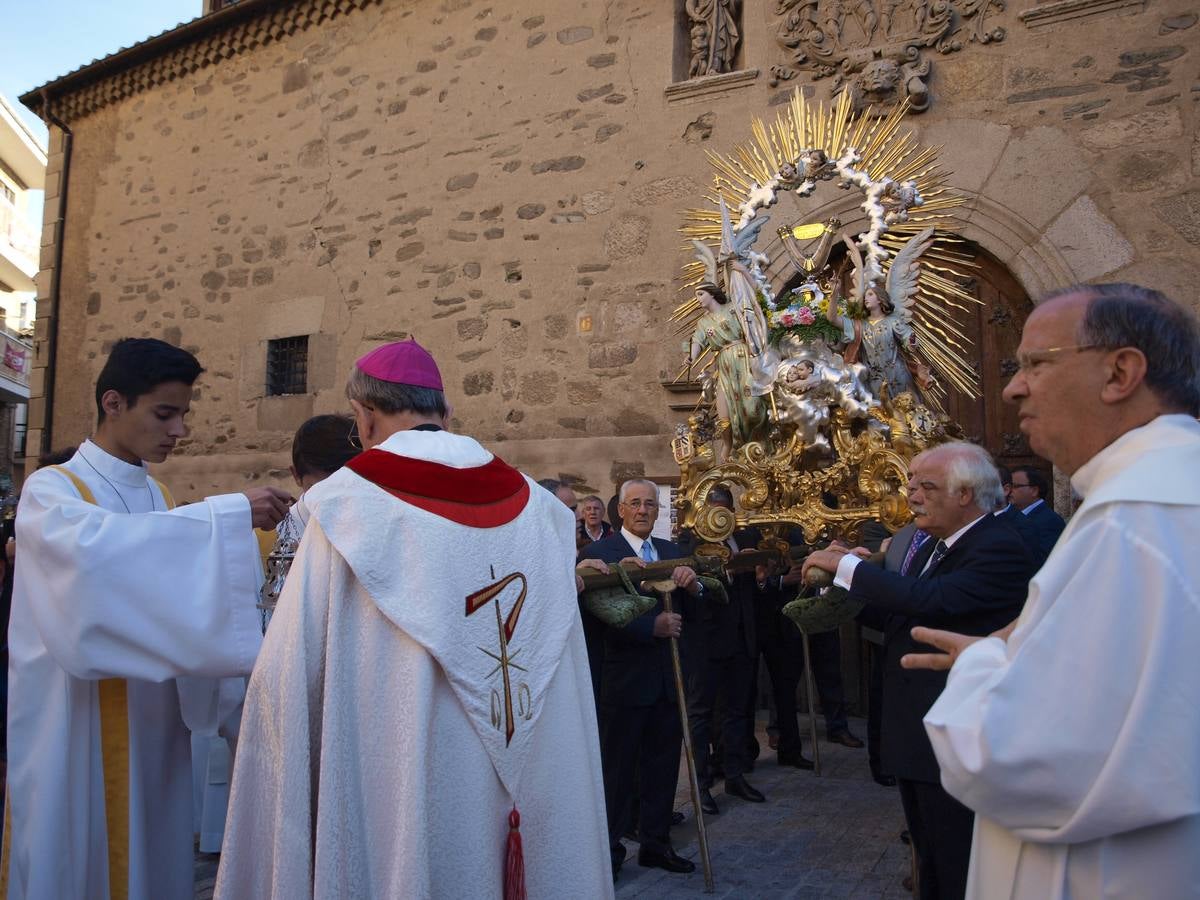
column 885, row 341
column 734, row 329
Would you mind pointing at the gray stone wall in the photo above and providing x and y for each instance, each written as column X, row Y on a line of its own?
column 506, row 186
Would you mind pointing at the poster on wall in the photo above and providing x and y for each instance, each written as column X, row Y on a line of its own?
column 664, row 527
column 16, row 357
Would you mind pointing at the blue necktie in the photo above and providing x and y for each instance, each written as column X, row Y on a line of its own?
column 647, row 551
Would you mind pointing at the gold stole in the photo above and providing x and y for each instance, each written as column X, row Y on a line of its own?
column 114, row 755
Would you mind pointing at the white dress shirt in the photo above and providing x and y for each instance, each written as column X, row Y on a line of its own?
column 635, row 544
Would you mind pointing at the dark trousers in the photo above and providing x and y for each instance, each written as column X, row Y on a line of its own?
column 941, row 828
column 874, row 704
column 732, row 676
column 639, row 750
column 826, row 650
column 782, row 653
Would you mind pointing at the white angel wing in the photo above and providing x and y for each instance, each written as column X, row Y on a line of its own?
column 905, row 270
column 744, row 240
column 705, row 255
column 737, row 244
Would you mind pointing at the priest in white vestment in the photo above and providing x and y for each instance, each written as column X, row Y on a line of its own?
column 115, row 596
column 1075, row 735
column 424, row 685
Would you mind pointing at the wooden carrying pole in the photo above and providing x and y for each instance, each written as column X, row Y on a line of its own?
column 665, row 588
column 812, row 709
column 742, row 562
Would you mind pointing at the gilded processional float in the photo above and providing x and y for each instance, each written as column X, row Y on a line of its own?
column 823, row 355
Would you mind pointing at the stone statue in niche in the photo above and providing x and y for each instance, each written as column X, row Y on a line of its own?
column 875, row 48
column 714, row 36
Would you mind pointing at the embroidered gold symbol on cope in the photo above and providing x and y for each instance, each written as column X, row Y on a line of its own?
column 505, row 626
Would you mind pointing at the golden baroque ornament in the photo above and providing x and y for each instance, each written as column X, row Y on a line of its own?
column 823, row 355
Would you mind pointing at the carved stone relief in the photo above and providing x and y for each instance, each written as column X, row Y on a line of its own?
column 875, row 49
column 1015, row 444
column 714, row 36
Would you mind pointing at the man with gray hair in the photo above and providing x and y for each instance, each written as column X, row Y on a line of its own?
column 972, row 572
column 640, row 732
column 1074, row 734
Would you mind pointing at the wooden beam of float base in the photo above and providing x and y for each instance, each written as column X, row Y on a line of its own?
column 705, row 565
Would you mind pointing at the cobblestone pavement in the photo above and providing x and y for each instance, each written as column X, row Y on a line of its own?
column 836, row 835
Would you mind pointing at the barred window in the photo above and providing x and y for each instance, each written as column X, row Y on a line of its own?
column 287, row 366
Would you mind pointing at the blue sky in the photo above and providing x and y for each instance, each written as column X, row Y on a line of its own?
column 49, row 38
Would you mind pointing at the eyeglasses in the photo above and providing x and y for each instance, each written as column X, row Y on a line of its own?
column 642, row 504
column 1014, row 485
column 1030, row 359
column 352, row 437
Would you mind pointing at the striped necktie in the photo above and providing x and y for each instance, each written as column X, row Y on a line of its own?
column 939, row 550
column 918, row 541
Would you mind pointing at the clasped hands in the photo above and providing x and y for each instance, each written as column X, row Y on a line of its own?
column 670, row 624
column 666, row 625
column 828, row 559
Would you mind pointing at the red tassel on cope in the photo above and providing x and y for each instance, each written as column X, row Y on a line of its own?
column 514, row 860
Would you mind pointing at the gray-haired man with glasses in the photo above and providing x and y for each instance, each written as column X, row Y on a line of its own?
column 1074, row 732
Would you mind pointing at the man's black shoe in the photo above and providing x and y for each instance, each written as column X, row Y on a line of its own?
column 618, row 857
column 664, row 859
column 885, row 780
column 739, row 788
column 846, row 739
column 708, row 804
column 797, row 759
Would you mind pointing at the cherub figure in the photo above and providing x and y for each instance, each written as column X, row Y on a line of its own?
column 801, row 377
column 885, row 341
column 812, row 383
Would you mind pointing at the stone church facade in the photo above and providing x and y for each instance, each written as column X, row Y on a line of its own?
column 280, row 186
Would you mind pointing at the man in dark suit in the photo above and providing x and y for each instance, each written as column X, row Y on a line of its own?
column 1030, row 489
column 971, row 576
column 640, row 732
column 900, row 550
column 1020, row 523
column 721, row 650
column 783, row 652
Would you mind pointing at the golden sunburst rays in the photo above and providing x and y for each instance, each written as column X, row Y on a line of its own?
column 885, row 150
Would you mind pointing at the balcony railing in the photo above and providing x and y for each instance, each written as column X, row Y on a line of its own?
column 18, row 233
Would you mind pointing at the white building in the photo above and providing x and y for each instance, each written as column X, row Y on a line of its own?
column 22, row 171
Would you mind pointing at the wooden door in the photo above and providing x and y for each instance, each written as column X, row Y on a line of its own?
column 994, row 328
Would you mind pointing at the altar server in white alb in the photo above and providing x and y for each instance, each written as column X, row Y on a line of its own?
column 1075, row 735
column 116, row 595
column 420, row 723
